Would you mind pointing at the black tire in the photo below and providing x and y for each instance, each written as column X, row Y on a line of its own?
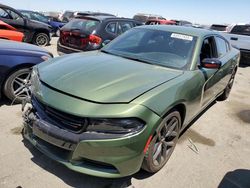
column 13, row 83
column 228, row 89
column 151, row 164
column 41, row 39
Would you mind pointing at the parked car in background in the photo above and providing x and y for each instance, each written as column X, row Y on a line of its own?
column 89, row 13
column 110, row 112
column 218, row 27
column 141, row 17
column 34, row 32
column 239, row 36
column 10, row 33
column 16, row 60
column 160, row 22
column 182, row 22
column 53, row 22
column 91, row 32
column 66, row 16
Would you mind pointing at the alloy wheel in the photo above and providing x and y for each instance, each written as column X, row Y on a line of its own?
column 20, row 85
column 166, row 140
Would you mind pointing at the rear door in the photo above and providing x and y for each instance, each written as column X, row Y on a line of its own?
column 111, row 30
column 124, row 26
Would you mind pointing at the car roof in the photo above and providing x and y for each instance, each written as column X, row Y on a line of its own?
column 102, row 18
column 199, row 32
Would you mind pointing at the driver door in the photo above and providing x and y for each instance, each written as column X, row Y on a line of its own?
column 212, row 76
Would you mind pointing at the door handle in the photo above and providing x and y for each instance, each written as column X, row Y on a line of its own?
column 234, row 38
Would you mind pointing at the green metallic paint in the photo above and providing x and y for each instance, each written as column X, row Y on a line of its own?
column 110, row 73
column 114, row 82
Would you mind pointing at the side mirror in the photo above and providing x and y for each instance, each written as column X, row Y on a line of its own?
column 211, row 63
column 106, row 42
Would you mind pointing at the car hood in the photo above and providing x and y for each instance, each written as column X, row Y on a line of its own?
column 103, row 78
column 7, row 47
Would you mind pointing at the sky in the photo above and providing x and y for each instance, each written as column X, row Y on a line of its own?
column 196, row 11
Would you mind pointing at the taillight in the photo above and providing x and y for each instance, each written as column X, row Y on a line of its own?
column 95, row 39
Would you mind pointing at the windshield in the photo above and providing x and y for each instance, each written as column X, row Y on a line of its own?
column 83, row 25
column 157, row 47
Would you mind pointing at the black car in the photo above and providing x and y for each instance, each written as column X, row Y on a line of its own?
column 91, row 32
column 53, row 22
column 34, row 32
column 16, row 60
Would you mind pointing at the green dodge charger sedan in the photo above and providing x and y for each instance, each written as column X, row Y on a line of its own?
column 110, row 112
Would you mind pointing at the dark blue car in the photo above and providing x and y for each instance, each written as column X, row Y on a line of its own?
column 53, row 22
column 16, row 60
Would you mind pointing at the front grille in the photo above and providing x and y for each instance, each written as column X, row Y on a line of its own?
column 64, row 120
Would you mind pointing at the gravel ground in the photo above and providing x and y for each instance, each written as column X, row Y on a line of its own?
column 222, row 157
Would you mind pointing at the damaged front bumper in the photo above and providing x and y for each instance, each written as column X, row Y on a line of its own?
column 97, row 154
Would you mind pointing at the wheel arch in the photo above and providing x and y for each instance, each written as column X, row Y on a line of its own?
column 13, row 69
column 40, row 31
column 181, row 108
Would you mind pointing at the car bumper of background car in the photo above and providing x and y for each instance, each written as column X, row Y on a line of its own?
column 61, row 50
column 93, row 155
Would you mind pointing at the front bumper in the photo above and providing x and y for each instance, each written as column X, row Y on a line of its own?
column 97, row 155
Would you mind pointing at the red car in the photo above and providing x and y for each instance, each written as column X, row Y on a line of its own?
column 10, row 33
column 160, row 22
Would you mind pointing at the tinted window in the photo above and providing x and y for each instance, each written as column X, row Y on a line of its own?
column 208, row 49
column 124, row 26
column 222, row 46
column 111, row 28
column 82, row 25
column 4, row 14
column 241, row 29
column 39, row 17
column 13, row 15
column 155, row 47
column 26, row 14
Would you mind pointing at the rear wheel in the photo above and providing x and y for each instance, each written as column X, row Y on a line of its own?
column 17, row 84
column 228, row 89
column 41, row 39
column 163, row 143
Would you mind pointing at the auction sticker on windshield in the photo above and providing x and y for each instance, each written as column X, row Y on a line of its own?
column 181, row 36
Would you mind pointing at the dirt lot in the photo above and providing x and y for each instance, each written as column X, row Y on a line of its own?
column 222, row 158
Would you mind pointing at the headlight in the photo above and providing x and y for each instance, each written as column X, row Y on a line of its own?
column 34, row 79
column 115, row 126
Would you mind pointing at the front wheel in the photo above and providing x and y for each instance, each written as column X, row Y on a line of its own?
column 163, row 143
column 41, row 39
column 16, row 87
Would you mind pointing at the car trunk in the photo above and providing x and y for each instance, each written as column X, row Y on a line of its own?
column 77, row 34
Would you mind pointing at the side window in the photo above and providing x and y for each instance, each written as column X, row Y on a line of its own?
column 111, row 28
column 208, row 49
column 247, row 30
column 124, row 26
column 4, row 14
column 13, row 15
column 222, row 46
column 27, row 15
column 241, row 29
